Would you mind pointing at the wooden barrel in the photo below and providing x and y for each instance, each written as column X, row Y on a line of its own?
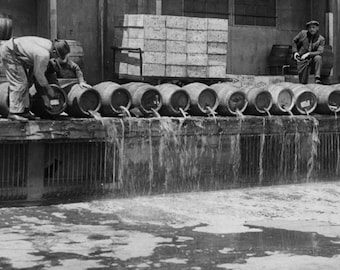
column 5, row 27
column 4, row 101
column 260, row 100
column 113, row 97
column 174, row 99
column 81, row 100
column 305, row 100
column 231, row 99
column 327, row 61
column 328, row 98
column 2, row 68
column 283, row 99
column 145, row 97
column 279, row 55
column 58, row 102
column 76, row 55
column 202, row 98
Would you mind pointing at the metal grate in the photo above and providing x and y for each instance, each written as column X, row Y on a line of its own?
column 78, row 168
column 13, row 171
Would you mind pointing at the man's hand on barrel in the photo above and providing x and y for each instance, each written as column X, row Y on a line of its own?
column 85, row 85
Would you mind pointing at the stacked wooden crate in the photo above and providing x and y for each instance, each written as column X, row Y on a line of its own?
column 173, row 46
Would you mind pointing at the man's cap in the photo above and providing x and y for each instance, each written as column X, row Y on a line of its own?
column 312, row 23
column 62, row 47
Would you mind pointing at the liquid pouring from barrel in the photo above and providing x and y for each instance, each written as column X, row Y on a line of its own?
column 81, row 101
column 115, row 99
column 232, row 101
column 176, row 101
column 305, row 99
column 283, row 99
column 260, row 100
column 204, row 99
column 328, row 97
column 145, row 97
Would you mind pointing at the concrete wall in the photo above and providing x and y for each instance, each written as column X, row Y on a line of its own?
column 249, row 46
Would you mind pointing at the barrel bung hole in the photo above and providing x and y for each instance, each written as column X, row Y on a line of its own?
column 151, row 100
column 89, row 100
column 119, row 98
column 180, row 100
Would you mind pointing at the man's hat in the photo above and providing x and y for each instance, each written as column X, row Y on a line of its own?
column 62, row 47
column 312, row 23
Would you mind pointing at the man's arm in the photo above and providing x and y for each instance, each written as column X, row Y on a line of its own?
column 39, row 69
column 76, row 69
column 296, row 40
column 320, row 50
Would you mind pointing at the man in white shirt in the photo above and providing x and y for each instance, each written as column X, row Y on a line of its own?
column 25, row 58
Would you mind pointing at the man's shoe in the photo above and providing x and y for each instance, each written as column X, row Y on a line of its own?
column 30, row 116
column 17, row 117
column 318, row 80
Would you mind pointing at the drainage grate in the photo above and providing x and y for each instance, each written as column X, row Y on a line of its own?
column 78, row 168
column 13, row 171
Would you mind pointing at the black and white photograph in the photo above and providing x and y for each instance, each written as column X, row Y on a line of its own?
column 170, row 134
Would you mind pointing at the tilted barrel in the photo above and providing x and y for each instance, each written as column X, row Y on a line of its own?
column 81, row 100
column 174, row 99
column 145, row 97
column 5, row 27
column 260, row 100
column 305, row 100
column 283, row 99
column 58, row 103
column 204, row 99
column 113, row 97
column 328, row 98
column 232, row 100
column 4, row 102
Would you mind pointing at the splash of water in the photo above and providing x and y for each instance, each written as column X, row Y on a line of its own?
column 184, row 114
column 95, row 115
column 291, row 114
column 267, row 112
column 240, row 115
column 212, row 113
column 125, row 111
column 262, row 144
column 297, row 139
column 155, row 113
column 314, row 150
column 151, row 170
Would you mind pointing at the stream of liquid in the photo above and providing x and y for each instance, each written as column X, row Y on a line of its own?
column 125, row 111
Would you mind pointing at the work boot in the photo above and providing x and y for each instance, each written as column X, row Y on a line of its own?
column 17, row 117
column 318, row 80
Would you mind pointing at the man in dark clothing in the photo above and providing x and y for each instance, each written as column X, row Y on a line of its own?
column 308, row 47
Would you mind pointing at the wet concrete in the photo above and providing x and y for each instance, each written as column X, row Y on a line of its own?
column 122, row 234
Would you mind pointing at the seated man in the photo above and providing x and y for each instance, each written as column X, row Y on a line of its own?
column 308, row 47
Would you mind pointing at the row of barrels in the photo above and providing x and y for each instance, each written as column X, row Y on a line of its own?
column 111, row 99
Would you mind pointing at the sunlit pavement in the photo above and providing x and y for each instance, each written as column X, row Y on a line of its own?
column 284, row 227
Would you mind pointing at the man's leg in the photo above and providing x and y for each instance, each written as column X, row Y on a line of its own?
column 303, row 71
column 317, row 61
column 18, row 86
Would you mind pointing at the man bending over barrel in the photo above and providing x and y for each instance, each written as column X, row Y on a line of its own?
column 26, row 59
column 308, row 47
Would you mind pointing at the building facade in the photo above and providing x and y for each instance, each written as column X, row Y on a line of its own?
column 254, row 26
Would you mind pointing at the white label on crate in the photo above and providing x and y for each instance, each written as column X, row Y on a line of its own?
column 305, row 104
column 55, row 102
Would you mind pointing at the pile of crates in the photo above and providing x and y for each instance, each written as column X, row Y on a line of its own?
column 172, row 46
